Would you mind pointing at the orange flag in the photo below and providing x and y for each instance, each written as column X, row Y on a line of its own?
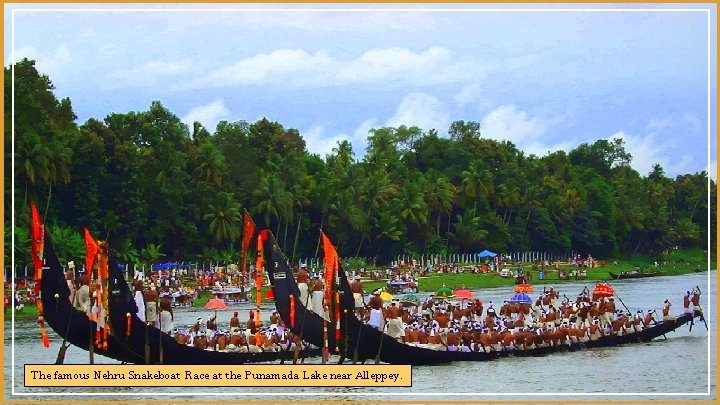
column 248, row 231
column 91, row 251
column 331, row 267
column 37, row 244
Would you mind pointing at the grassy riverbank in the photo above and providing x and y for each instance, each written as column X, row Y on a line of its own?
column 676, row 263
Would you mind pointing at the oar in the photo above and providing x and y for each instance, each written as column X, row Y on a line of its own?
column 621, row 301
column 63, row 346
column 344, row 353
column 296, row 353
column 382, row 339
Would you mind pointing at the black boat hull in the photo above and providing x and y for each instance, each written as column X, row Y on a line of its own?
column 361, row 342
column 160, row 348
column 73, row 325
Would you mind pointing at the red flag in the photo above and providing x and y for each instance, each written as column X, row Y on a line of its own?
column 37, row 235
column 248, row 231
column 91, row 251
column 331, row 267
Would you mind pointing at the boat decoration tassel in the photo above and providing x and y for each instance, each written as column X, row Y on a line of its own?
column 128, row 324
column 292, row 311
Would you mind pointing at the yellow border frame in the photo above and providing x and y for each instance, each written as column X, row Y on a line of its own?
column 715, row 400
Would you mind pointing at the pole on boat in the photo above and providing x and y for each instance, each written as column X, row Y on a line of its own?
column 621, row 301
column 60, row 359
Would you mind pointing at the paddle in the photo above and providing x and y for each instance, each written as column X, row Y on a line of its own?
column 63, row 346
column 621, row 301
column 382, row 339
column 344, row 354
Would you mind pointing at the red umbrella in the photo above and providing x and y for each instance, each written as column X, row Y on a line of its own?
column 269, row 295
column 524, row 288
column 216, row 303
column 603, row 290
column 464, row 295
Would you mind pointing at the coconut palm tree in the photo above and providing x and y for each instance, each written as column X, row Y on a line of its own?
column 225, row 218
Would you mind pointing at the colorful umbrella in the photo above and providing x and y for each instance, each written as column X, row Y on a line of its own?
column 464, row 295
column 603, row 290
column 216, row 303
column 269, row 295
column 444, row 292
column 524, row 288
column 386, row 296
column 521, row 298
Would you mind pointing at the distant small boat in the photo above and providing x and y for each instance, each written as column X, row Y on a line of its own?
column 633, row 274
column 233, row 294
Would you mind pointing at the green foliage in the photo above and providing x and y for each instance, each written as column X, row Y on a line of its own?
column 155, row 188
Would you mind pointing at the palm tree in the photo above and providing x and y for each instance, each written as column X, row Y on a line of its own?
column 225, row 218
column 467, row 230
column 439, row 194
column 32, row 159
column 477, row 182
column 151, row 252
column 59, row 162
column 210, row 163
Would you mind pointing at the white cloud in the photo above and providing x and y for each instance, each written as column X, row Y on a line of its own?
column 421, row 110
column 646, row 151
column 48, row 63
column 507, row 122
column 468, row 94
column 208, row 114
column 317, row 142
column 298, row 67
column 149, row 72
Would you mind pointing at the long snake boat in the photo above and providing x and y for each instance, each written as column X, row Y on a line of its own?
column 71, row 324
column 362, row 342
column 159, row 347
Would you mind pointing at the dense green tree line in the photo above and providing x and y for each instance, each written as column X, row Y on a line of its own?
column 154, row 187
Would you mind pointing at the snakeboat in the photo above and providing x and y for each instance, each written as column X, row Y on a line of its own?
column 71, row 324
column 362, row 342
column 160, row 348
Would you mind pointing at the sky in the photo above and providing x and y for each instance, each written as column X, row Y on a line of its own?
column 547, row 78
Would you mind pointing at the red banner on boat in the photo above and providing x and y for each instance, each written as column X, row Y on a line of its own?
column 37, row 244
column 331, row 267
column 91, row 251
column 248, row 232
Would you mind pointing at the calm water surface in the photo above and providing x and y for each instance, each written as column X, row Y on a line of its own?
column 676, row 368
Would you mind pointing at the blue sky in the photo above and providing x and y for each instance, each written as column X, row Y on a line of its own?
column 544, row 79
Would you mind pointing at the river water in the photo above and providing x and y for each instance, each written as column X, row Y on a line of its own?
column 681, row 367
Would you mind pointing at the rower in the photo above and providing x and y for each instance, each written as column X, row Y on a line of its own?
column 376, row 314
column 82, row 295
column 666, row 311
column 139, row 299
column 234, row 320
column 394, row 323
column 318, row 295
column 686, row 303
column 151, row 305
column 302, row 281
column 357, row 289
column 695, row 300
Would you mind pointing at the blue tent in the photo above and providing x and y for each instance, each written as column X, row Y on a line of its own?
column 521, row 298
column 487, row 253
column 165, row 266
